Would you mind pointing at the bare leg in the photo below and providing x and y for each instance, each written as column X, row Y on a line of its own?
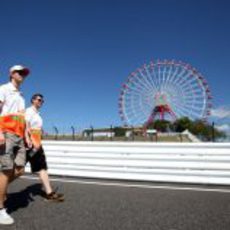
column 4, row 181
column 44, row 177
column 18, row 171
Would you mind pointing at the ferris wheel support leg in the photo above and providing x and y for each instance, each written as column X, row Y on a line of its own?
column 162, row 115
column 149, row 121
column 173, row 114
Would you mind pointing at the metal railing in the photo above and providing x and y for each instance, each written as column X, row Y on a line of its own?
column 207, row 163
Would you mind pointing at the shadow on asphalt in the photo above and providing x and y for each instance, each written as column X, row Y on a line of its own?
column 23, row 198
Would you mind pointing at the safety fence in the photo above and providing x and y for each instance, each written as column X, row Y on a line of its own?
column 202, row 163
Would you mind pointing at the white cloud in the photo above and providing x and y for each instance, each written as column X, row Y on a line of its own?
column 221, row 112
column 224, row 128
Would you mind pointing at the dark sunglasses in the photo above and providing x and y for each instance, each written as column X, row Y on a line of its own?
column 40, row 100
column 22, row 73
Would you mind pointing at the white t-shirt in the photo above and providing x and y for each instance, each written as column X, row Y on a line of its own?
column 33, row 118
column 12, row 99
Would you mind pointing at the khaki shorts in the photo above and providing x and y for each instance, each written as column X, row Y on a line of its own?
column 12, row 153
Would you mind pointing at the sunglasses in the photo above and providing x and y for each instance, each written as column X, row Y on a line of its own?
column 40, row 100
column 21, row 73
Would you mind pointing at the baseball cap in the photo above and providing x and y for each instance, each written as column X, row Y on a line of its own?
column 22, row 68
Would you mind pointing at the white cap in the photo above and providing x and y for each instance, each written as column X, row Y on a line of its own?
column 19, row 68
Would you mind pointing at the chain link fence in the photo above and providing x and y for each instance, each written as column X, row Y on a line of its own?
column 113, row 134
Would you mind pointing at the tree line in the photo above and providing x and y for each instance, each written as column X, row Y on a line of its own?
column 202, row 129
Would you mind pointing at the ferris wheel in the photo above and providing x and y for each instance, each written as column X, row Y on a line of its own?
column 164, row 90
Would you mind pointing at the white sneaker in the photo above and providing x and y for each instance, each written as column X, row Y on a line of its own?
column 5, row 218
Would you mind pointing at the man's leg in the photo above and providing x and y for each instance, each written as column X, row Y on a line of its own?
column 5, row 218
column 7, row 170
column 39, row 165
column 50, row 194
column 44, row 177
column 4, row 181
column 18, row 171
column 20, row 159
column 7, row 164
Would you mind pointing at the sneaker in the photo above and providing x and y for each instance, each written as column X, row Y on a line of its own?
column 53, row 196
column 5, row 218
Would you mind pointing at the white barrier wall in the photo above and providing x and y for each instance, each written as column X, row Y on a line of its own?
column 206, row 163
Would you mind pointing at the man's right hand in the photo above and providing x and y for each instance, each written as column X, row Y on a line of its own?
column 29, row 143
column 2, row 139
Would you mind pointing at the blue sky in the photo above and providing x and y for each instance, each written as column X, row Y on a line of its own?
column 81, row 51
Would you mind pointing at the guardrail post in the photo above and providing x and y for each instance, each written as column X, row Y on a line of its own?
column 56, row 132
column 213, row 132
column 111, row 132
column 92, row 133
column 73, row 133
column 132, row 133
column 181, row 138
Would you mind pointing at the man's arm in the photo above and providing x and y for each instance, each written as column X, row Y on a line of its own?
column 27, row 131
column 2, row 137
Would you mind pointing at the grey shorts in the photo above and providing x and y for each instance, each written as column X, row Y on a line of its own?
column 12, row 153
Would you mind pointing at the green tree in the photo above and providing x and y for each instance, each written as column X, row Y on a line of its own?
column 160, row 125
column 205, row 131
column 119, row 131
column 182, row 124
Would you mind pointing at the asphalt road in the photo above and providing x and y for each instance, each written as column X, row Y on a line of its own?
column 117, row 207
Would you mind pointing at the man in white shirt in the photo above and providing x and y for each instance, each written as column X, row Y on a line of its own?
column 12, row 134
column 35, row 155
